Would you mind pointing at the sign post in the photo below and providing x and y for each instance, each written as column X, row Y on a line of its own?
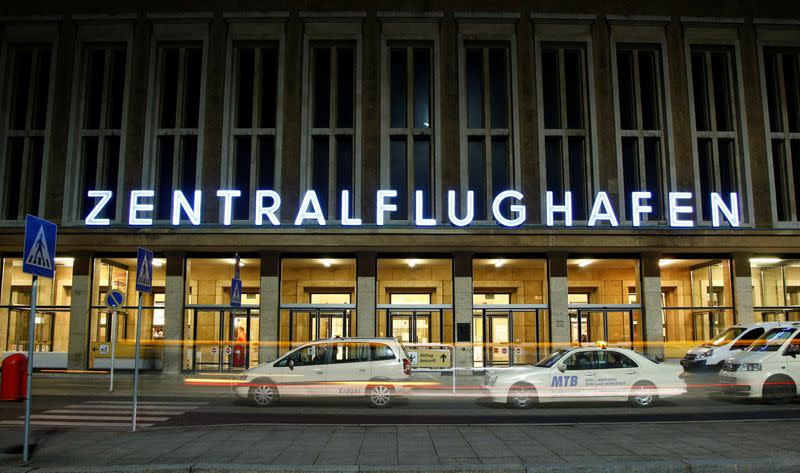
column 38, row 259
column 114, row 300
column 236, row 285
column 144, row 283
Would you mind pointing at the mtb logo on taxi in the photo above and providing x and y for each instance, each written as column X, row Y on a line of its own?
column 564, row 381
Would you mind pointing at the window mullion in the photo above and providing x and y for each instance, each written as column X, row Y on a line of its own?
column 24, row 198
column 785, row 143
column 710, row 89
column 176, row 161
column 487, row 132
column 637, row 91
column 334, row 106
column 36, row 57
column 562, row 91
column 409, row 133
column 181, row 95
column 255, row 171
column 104, row 107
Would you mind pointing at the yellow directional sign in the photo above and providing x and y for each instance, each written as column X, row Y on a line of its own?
column 432, row 358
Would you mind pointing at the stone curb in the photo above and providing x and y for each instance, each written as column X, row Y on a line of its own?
column 686, row 466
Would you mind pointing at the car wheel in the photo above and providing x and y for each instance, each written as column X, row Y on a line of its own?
column 522, row 396
column 264, row 395
column 643, row 395
column 379, row 395
column 778, row 390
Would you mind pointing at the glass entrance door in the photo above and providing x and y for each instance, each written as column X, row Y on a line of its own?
column 613, row 326
column 411, row 326
column 18, row 330
column 707, row 324
column 221, row 339
column 314, row 324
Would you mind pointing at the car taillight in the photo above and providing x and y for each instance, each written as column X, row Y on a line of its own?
column 406, row 366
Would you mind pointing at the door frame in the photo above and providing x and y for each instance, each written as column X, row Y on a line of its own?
column 581, row 309
column 221, row 312
column 507, row 310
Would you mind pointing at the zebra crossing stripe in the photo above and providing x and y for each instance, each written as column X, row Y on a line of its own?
column 65, row 423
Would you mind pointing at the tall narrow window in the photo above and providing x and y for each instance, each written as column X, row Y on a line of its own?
column 333, row 103
column 26, row 88
column 568, row 165
column 253, row 122
column 177, row 122
column 716, row 130
column 103, row 70
column 410, row 127
column 782, row 75
column 640, row 130
column 487, row 136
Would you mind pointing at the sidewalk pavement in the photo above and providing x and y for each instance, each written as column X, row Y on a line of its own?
column 642, row 447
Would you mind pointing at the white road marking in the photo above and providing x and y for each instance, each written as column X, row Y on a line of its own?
column 68, row 417
column 154, row 403
column 116, row 411
column 126, row 425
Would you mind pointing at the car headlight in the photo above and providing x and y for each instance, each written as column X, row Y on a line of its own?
column 705, row 354
column 750, row 367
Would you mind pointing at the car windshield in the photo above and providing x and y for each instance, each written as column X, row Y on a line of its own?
column 772, row 340
column 725, row 337
column 552, row 359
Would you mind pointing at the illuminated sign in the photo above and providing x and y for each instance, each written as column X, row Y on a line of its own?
column 507, row 209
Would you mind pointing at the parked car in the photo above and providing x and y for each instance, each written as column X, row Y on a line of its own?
column 709, row 356
column 769, row 369
column 374, row 368
column 585, row 374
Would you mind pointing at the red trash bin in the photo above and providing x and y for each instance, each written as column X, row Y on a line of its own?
column 14, row 380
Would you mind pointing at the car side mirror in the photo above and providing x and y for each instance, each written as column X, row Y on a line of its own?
column 792, row 350
column 561, row 367
column 291, row 364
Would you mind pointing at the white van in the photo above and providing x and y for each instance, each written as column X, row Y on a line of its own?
column 709, row 356
column 769, row 369
column 375, row 368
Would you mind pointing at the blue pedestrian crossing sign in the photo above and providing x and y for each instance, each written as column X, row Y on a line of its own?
column 39, row 255
column 114, row 299
column 144, row 270
column 236, row 292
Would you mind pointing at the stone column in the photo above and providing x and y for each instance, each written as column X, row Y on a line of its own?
column 173, row 314
column 742, row 289
column 269, row 307
column 558, row 299
column 80, row 302
column 462, row 305
column 650, row 299
column 366, row 270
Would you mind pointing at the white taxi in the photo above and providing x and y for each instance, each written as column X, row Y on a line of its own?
column 768, row 369
column 585, row 374
column 375, row 368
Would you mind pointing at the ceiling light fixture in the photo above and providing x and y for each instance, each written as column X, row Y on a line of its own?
column 499, row 262
column 413, row 262
column 666, row 262
column 585, row 262
column 326, row 262
column 764, row 260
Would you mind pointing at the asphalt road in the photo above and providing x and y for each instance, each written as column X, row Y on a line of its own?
column 218, row 407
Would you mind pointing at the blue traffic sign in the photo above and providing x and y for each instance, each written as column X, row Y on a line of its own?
column 236, row 292
column 144, row 270
column 39, row 256
column 114, row 299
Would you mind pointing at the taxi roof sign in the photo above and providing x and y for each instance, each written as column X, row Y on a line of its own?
column 39, row 255
column 601, row 344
